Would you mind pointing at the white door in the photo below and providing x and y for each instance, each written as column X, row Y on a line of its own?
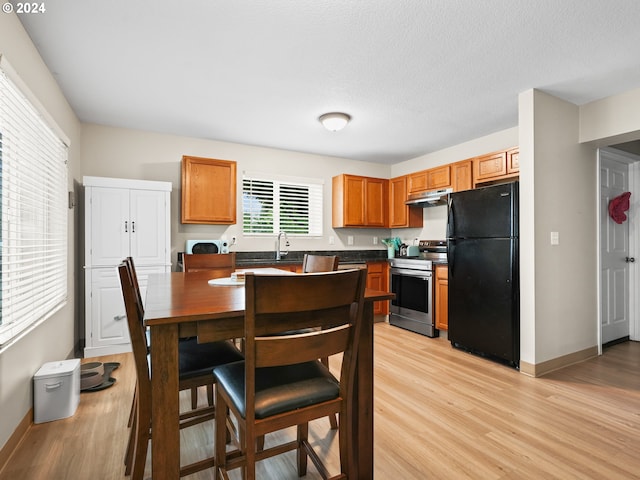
column 148, row 227
column 110, row 225
column 614, row 244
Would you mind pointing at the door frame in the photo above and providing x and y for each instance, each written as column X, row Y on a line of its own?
column 634, row 241
column 634, row 250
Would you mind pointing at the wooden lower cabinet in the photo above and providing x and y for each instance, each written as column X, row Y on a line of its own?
column 442, row 297
column 378, row 279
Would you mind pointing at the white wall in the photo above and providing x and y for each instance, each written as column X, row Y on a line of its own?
column 117, row 152
column 559, row 194
column 611, row 120
column 490, row 143
column 55, row 338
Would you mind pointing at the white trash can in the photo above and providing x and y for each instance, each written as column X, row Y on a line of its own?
column 56, row 390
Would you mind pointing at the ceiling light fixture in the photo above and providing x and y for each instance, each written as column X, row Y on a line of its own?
column 334, row 121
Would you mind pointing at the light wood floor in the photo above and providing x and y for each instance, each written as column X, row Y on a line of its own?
column 439, row 414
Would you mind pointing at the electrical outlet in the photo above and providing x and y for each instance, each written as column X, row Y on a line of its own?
column 555, row 238
column 375, row 240
column 332, row 240
column 350, row 240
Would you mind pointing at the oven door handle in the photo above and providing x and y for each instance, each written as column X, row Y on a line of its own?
column 424, row 275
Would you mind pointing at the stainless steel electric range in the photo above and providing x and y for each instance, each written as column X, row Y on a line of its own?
column 411, row 279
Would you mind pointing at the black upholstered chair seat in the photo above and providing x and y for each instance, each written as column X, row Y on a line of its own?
column 197, row 359
column 279, row 389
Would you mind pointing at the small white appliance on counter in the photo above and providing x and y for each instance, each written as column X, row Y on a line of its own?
column 206, row 246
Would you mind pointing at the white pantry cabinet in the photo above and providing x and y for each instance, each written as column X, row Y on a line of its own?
column 122, row 218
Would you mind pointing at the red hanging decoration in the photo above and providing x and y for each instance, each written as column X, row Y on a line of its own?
column 617, row 207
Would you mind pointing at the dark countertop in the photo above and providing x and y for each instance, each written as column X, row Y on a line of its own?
column 295, row 257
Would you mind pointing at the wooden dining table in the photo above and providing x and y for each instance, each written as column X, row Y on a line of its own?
column 180, row 305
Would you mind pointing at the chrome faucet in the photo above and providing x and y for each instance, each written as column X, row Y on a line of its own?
column 279, row 251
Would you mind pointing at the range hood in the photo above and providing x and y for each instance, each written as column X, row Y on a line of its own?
column 429, row 199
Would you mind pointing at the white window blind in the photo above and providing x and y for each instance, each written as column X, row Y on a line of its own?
column 273, row 203
column 33, row 185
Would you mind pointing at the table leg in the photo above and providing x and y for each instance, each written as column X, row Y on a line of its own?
column 165, row 408
column 361, row 454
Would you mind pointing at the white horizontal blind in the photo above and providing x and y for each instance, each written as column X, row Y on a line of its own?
column 33, row 184
column 274, row 203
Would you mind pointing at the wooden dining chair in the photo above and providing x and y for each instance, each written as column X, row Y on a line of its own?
column 196, row 362
column 185, row 346
column 281, row 383
column 319, row 263
column 322, row 263
column 221, row 264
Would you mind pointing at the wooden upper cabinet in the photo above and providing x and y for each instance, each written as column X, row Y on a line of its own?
column 432, row 179
column 400, row 214
column 208, row 191
column 354, row 189
column 417, row 182
column 496, row 167
column 462, row 173
column 376, row 202
column 513, row 162
column 439, row 177
column 359, row 201
column 490, row 166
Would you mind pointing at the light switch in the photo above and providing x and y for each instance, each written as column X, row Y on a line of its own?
column 555, row 238
column 332, row 240
column 350, row 240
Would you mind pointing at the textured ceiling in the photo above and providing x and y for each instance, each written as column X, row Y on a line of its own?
column 416, row 75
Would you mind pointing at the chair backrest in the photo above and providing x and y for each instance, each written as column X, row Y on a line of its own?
column 137, row 334
column 220, row 264
column 332, row 301
column 319, row 263
column 134, row 280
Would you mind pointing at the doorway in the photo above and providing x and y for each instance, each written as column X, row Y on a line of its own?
column 619, row 172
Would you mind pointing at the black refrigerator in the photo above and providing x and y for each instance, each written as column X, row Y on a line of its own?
column 484, row 287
